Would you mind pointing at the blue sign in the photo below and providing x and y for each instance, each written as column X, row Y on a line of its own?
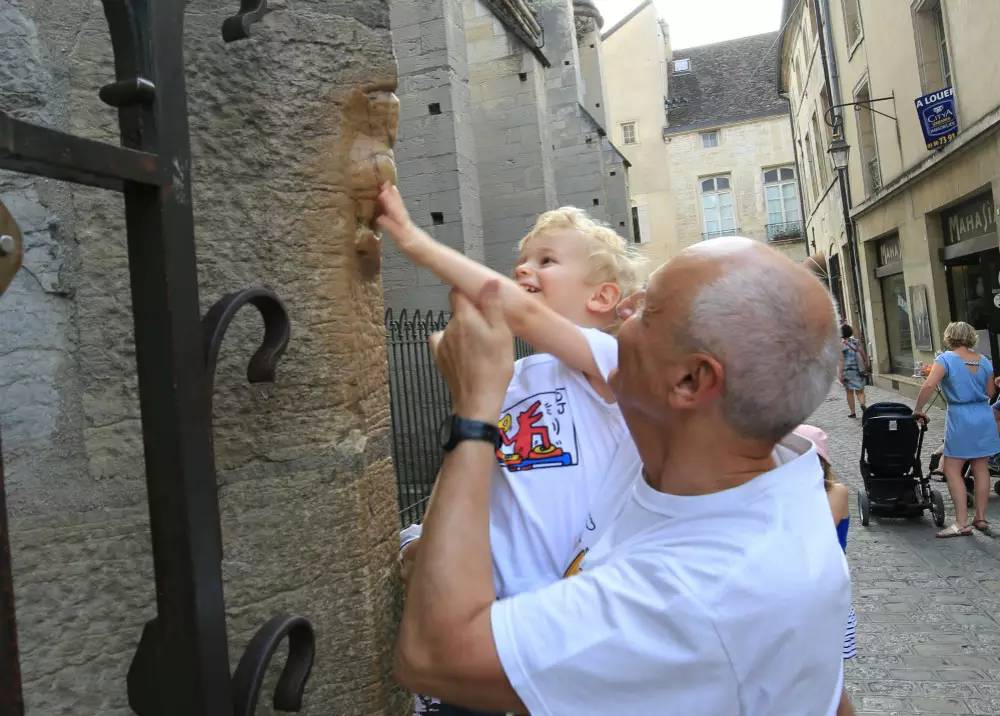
column 937, row 116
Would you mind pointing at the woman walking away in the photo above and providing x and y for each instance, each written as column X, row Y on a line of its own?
column 853, row 368
column 837, row 495
column 970, row 433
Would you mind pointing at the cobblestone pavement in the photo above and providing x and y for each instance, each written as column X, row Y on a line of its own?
column 928, row 609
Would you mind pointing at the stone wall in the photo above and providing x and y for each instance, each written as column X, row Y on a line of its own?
column 436, row 151
column 510, row 113
column 306, row 484
column 508, row 138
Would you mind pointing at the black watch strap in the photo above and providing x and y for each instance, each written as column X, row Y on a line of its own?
column 456, row 429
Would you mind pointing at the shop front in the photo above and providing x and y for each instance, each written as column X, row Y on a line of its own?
column 889, row 274
column 972, row 267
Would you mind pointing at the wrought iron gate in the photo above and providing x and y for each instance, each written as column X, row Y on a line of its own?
column 181, row 665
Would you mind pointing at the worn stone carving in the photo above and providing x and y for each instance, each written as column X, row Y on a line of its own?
column 370, row 122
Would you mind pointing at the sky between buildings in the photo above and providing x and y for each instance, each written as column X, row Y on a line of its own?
column 702, row 22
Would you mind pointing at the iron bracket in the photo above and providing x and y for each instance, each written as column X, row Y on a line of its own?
column 249, row 676
column 237, row 27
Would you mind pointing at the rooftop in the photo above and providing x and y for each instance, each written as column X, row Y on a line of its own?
column 728, row 82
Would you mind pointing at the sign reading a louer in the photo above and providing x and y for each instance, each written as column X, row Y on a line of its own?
column 938, row 118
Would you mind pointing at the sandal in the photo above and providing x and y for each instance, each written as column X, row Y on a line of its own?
column 954, row 531
column 983, row 526
column 851, row 415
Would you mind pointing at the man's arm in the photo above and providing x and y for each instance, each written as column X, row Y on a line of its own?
column 445, row 645
column 527, row 316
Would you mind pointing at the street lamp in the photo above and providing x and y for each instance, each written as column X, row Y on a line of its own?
column 839, row 151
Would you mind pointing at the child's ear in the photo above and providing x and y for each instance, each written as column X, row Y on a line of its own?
column 604, row 297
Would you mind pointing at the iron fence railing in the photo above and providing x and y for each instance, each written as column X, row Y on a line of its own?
column 419, row 403
column 784, row 231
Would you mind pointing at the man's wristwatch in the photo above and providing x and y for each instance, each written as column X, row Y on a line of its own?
column 455, row 429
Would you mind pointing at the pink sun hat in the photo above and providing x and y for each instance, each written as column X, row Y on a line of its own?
column 816, row 436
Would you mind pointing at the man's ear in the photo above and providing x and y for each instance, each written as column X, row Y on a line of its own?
column 604, row 298
column 700, row 382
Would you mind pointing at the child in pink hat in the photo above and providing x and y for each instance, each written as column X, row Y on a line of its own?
column 837, row 494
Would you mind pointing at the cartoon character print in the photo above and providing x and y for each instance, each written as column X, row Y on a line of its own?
column 538, row 432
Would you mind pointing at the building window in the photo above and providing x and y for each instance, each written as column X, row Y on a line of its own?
column 781, row 197
column 810, row 152
column 824, row 166
column 869, row 145
column 682, row 66
column 710, row 139
column 640, row 224
column 717, row 207
column 628, row 133
column 932, row 46
column 852, row 22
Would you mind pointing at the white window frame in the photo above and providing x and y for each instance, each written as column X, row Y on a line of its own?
column 635, row 132
column 920, row 10
column 780, row 183
column 852, row 45
column 723, row 230
column 682, row 65
column 710, row 133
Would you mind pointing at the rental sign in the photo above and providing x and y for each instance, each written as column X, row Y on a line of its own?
column 938, row 117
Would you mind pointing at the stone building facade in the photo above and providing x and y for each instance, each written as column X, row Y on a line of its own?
column 636, row 50
column 284, row 126
column 720, row 134
column 802, row 79
column 498, row 126
column 923, row 213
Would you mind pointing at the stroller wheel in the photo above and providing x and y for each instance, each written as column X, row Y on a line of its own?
column 865, row 508
column 937, row 508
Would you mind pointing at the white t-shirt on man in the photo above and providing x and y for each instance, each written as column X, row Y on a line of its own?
column 726, row 604
column 559, row 439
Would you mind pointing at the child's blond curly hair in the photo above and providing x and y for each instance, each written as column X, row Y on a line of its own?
column 611, row 258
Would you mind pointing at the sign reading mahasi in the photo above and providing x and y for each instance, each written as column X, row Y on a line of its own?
column 938, row 117
column 971, row 220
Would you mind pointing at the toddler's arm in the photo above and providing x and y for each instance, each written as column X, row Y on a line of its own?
column 527, row 316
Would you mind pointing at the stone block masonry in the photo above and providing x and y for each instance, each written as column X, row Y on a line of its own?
column 436, row 150
column 306, row 485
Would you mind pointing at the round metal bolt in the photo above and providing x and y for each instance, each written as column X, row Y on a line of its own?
column 7, row 245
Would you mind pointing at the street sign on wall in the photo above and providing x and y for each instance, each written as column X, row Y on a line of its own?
column 938, row 117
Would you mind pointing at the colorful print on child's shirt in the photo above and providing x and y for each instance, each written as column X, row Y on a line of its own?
column 538, row 432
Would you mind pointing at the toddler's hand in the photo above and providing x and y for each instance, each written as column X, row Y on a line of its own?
column 393, row 218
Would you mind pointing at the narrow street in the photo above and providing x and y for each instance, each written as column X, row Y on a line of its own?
column 928, row 609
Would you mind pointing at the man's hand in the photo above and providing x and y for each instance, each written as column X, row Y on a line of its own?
column 476, row 354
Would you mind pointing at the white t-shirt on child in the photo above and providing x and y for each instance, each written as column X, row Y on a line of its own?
column 559, row 440
column 726, row 604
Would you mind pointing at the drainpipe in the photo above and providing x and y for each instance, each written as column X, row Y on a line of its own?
column 832, row 75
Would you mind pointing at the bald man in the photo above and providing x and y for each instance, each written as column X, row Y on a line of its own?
column 712, row 581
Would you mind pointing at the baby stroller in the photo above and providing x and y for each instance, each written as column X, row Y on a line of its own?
column 934, row 469
column 895, row 484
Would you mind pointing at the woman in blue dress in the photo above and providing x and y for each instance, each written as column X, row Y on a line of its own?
column 970, row 434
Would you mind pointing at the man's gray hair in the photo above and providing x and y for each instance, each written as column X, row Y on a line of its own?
column 777, row 370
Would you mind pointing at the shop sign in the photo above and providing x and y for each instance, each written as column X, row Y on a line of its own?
column 971, row 220
column 938, row 117
column 888, row 251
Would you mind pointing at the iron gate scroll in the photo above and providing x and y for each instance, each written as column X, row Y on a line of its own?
column 181, row 665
